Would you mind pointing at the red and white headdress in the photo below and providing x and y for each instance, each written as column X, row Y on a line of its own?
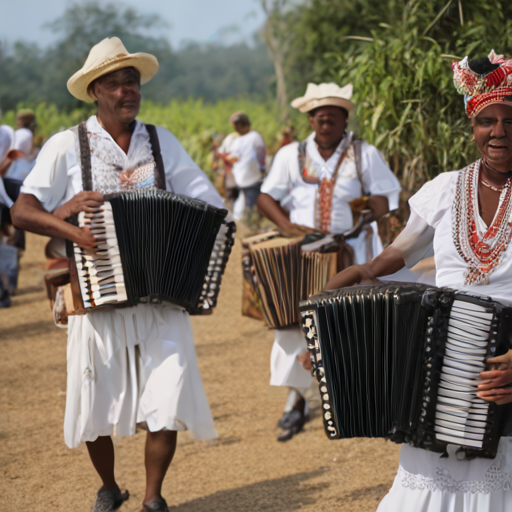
column 483, row 81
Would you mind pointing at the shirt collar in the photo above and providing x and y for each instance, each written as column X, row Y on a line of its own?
column 94, row 126
column 329, row 164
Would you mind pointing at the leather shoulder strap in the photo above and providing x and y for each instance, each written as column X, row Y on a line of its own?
column 157, row 155
column 85, row 156
column 302, row 155
column 358, row 145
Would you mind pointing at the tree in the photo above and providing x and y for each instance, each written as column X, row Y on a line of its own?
column 277, row 37
column 399, row 64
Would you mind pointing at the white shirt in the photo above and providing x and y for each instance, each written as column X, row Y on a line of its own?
column 57, row 175
column 430, row 227
column 6, row 140
column 286, row 185
column 23, row 140
column 250, row 151
column 225, row 147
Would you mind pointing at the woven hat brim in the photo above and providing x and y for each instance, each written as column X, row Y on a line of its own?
column 146, row 64
column 308, row 105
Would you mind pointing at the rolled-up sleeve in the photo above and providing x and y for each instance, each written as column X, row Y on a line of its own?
column 378, row 179
column 48, row 180
column 278, row 182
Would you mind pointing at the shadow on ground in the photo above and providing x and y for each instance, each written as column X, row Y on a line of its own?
column 366, row 494
column 281, row 494
column 26, row 330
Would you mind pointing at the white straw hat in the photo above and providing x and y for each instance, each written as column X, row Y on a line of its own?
column 105, row 57
column 324, row 95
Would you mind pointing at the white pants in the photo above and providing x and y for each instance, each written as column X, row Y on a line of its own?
column 239, row 206
column 132, row 365
column 285, row 369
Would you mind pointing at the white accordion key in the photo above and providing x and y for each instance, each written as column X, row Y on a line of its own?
column 470, row 330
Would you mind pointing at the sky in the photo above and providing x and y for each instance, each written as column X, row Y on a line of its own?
column 225, row 21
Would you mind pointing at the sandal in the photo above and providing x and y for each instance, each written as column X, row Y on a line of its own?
column 108, row 500
column 155, row 506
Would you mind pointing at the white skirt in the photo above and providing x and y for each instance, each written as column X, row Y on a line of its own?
column 427, row 483
column 285, row 368
column 133, row 365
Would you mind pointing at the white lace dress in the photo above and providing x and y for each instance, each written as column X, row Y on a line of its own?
column 427, row 482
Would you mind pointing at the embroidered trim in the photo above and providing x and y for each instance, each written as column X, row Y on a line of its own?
column 495, row 480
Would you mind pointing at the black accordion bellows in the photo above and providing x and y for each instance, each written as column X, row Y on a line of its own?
column 165, row 259
column 170, row 248
column 400, row 361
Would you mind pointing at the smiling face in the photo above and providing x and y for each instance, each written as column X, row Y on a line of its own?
column 492, row 129
column 329, row 124
column 118, row 95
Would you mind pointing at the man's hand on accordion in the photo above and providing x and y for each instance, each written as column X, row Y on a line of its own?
column 81, row 202
column 85, row 239
column 496, row 385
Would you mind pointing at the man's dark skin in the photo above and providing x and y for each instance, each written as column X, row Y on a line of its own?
column 492, row 132
column 118, row 99
column 329, row 125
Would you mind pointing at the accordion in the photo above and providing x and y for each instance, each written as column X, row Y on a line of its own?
column 287, row 271
column 401, row 361
column 153, row 246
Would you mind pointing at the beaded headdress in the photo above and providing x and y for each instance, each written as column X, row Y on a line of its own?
column 483, row 81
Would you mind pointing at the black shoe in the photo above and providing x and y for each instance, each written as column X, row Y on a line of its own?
column 108, row 500
column 294, row 424
column 155, row 506
column 283, row 420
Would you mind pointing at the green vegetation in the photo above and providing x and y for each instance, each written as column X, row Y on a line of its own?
column 194, row 122
column 212, row 71
column 397, row 54
column 398, row 57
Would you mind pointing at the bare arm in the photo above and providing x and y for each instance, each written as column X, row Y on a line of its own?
column 388, row 262
column 378, row 205
column 413, row 244
column 28, row 214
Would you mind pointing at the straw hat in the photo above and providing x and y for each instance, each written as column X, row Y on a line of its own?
column 324, row 95
column 105, row 57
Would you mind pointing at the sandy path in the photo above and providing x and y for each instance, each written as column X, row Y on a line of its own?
column 244, row 470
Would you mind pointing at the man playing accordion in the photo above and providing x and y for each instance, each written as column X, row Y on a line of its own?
column 135, row 365
column 309, row 188
column 463, row 218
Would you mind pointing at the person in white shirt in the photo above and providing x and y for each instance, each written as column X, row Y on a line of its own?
column 6, row 144
column 464, row 219
column 133, row 365
column 309, row 187
column 247, row 152
column 231, row 191
column 24, row 135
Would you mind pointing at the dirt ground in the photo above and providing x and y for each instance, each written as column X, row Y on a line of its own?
column 245, row 469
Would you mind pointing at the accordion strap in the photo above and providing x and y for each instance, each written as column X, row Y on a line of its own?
column 85, row 156
column 157, row 154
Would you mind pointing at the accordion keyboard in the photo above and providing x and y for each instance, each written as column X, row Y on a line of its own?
column 100, row 274
column 460, row 414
